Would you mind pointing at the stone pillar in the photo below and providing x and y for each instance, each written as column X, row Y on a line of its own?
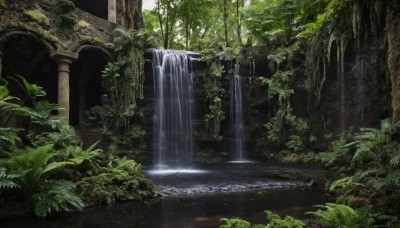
column 64, row 60
column 112, row 11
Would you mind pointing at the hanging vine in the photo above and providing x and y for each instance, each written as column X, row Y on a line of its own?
column 123, row 81
column 213, row 91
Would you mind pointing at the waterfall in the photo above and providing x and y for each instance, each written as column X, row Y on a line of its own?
column 360, row 73
column 236, row 112
column 172, row 121
column 341, row 82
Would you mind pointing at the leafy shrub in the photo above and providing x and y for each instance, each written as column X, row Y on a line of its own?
column 33, row 176
column 121, row 179
column 339, row 215
column 235, row 223
column 274, row 221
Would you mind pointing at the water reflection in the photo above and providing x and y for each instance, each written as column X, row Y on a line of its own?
column 202, row 211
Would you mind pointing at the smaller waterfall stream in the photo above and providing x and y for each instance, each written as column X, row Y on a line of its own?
column 236, row 112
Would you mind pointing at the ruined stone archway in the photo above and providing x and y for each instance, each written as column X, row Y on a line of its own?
column 85, row 81
column 27, row 55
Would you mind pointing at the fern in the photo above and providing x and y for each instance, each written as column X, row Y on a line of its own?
column 235, row 223
column 275, row 221
column 339, row 215
column 55, row 196
column 7, row 180
column 341, row 185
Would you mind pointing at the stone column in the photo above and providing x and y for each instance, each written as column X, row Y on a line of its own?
column 112, row 11
column 64, row 60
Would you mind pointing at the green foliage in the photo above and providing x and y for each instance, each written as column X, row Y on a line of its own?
column 284, row 128
column 338, row 215
column 65, row 21
column 121, row 179
column 375, row 144
column 234, row 223
column 93, row 39
column 213, row 90
column 56, row 196
column 61, row 137
column 274, row 221
column 65, row 6
column 7, row 180
column 279, row 21
column 341, row 185
column 9, row 140
column 35, row 171
column 295, row 143
column 123, row 81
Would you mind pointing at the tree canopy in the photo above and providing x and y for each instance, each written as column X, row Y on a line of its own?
column 198, row 24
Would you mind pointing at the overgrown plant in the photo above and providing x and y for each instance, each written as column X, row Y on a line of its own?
column 274, row 221
column 339, row 215
column 284, row 128
column 123, row 81
column 33, row 174
column 213, row 90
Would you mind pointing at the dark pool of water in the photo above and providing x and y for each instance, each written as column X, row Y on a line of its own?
column 191, row 209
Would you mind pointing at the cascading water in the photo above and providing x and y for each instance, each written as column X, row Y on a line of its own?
column 341, row 82
column 236, row 112
column 172, row 121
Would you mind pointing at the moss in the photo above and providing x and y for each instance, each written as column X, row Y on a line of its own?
column 34, row 28
column 37, row 16
column 96, row 41
column 2, row 3
column 46, row 4
column 65, row 7
column 84, row 24
column 65, row 21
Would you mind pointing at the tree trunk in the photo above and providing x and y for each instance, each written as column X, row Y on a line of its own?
column 226, row 22
column 160, row 20
column 239, row 23
column 393, row 36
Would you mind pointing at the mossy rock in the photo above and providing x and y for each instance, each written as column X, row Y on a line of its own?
column 65, row 7
column 37, row 16
column 65, row 21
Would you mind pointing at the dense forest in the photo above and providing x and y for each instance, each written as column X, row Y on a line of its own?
column 322, row 82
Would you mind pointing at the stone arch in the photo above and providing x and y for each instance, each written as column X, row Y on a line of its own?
column 28, row 55
column 85, row 81
column 104, row 51
column 9, row 34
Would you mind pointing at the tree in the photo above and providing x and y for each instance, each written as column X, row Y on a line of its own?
column 167, row 15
